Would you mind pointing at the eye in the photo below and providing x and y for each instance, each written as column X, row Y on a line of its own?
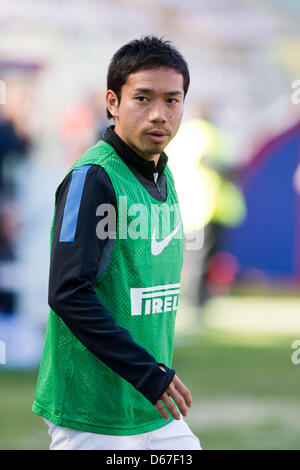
column 141, row 98
column 169, row 100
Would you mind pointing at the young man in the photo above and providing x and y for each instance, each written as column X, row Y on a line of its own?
column 105, row 380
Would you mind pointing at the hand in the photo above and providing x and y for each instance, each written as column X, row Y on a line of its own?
column 180, row 394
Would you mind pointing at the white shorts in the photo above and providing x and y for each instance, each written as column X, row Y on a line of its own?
column 174, row 436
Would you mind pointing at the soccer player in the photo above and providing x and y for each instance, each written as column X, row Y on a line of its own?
column 105, row 379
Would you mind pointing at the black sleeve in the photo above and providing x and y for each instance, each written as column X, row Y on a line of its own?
column 74, row 270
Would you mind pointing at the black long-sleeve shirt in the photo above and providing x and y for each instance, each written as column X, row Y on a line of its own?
column 76, row 265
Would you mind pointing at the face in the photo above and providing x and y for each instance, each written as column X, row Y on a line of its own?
column 150, row 110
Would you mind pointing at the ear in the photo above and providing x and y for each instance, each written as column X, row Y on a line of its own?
column 112, row 103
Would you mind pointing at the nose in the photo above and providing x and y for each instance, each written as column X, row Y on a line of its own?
column 157, row 112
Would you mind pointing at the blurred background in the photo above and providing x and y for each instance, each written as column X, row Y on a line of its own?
column 239, row 148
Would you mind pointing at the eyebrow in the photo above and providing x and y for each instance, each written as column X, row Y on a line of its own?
column 148, row 90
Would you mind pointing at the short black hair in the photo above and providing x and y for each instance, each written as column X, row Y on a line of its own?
column 141, row 54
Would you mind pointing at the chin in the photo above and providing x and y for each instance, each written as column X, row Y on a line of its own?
column 154, row 151
column 149, row 151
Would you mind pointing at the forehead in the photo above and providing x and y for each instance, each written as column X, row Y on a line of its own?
column 160, row 80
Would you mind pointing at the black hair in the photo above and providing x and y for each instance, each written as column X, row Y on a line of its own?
column 141, row 54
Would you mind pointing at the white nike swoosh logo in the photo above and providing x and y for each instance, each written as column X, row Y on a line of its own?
column 158, row 247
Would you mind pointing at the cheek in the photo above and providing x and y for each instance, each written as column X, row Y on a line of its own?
column 175, row 120
column 137, row 120
column 131, row 112
column 176, row 113
column 127, row 118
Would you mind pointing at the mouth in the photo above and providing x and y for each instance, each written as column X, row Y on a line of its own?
column 157, row 135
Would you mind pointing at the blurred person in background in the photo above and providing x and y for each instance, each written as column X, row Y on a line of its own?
column 15, row 145
column 15, row 135
column 9, row 225
column 209, row 167
column 218, row 269
column 105, row 380
column 228, row 209
column 82, row 125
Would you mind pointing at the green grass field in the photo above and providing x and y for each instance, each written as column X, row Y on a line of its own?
column 245, row 396
column 244, row 386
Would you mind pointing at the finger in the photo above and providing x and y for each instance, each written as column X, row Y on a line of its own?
column 160, row 408
column 170, row 406
column 183, row 390
column 180, row 401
